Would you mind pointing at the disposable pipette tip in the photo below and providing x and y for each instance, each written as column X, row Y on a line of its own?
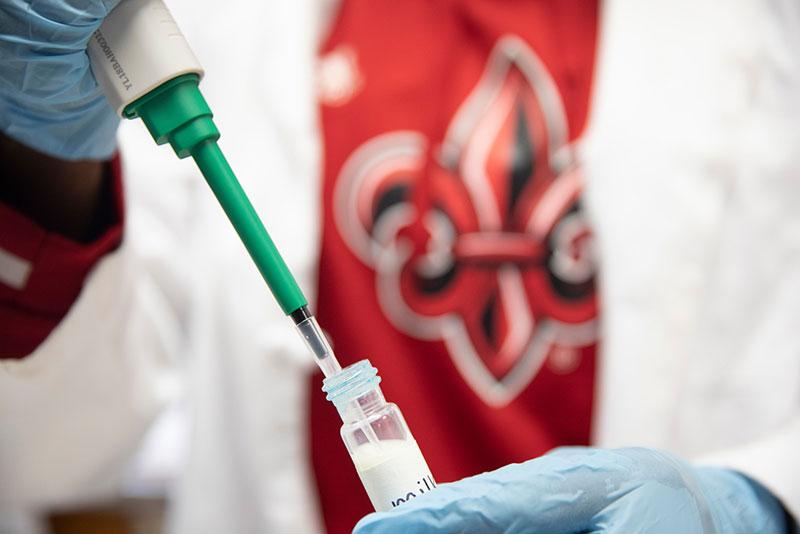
column 329, row 365
column 318, row 344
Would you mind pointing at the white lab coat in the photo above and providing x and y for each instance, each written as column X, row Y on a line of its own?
column 692, row 161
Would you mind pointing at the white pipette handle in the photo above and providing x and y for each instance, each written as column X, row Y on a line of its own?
column 137, row 48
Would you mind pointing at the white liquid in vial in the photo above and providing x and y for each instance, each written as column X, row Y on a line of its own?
column 393, row 472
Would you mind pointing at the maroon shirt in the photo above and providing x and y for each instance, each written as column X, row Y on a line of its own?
column 455, row 252
column 44, row 271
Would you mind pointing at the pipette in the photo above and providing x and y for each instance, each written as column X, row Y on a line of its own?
column 147, row 70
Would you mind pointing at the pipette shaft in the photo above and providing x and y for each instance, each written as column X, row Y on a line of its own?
column 219, row 175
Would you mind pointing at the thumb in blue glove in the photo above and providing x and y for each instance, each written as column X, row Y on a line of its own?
column 49, row 98
column 591, row 490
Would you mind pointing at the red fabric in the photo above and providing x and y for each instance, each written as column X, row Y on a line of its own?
column 408, row 66
column 58, row 268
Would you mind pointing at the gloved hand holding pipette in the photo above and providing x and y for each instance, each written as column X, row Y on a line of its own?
column 592, row 490
column 49, row 99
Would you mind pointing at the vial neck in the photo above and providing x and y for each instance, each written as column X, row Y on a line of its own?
column 355, row 391
column 362, row 406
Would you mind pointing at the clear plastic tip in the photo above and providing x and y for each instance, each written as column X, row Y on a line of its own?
column 318, row 344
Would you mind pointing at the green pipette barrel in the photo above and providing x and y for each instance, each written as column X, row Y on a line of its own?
column 176, row 113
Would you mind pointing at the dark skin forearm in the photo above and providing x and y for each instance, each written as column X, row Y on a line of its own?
column 61, row 196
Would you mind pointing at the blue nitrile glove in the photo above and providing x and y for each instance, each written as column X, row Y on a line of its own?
column 591, row 490
column 49, row 98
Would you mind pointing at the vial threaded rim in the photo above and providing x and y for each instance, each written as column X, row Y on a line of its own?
column 352, row 382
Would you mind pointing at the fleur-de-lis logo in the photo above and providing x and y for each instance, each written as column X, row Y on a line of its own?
column 480, row 241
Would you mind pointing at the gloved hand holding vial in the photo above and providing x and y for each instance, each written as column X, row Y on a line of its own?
column 579, row 489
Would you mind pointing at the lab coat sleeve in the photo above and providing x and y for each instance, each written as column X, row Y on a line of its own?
column 72, row 412
column 692, row 165
column 772, row 460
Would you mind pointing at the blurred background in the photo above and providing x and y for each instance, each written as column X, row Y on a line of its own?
column 545, row 222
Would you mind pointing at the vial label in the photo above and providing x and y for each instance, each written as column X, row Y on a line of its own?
column 393, row 472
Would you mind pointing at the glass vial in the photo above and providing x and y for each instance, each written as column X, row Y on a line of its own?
column 385, row 454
